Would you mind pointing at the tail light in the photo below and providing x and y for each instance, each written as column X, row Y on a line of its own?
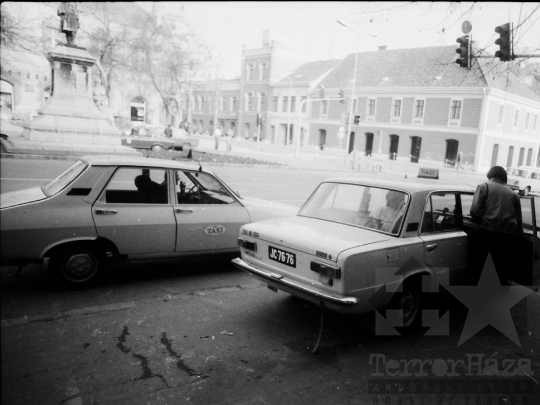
column 246, row 244
column 326, row 269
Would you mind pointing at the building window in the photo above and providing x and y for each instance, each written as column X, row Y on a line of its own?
column 324, row 107
column 419, row 109
column 396, row 108
column 510, row 156
column 521, row 156
column 501, row 115
column 275, row 103
column 210, row 105
column 221, row 103
column 250, row 101
column 293, row 103
column 263, row 71
column 304, row 105
column 527, row 120
column 535, row 121
column 262, row 102
column 529, row 156
column 516, row 118
column 285, row 105
column 494, row 154
column 456, row 110
column 232, row 104
column 371, row 106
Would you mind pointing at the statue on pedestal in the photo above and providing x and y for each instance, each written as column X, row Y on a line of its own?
column 69, row 21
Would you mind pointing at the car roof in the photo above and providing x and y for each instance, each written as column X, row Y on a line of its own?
column 118, row 160
column 409, row 184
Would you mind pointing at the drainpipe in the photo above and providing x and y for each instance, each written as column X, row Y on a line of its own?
column 480, row 141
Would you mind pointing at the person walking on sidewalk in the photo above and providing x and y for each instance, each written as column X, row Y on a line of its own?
column 497, row 211
column 217, row 135
column 229, row 139
column 458, row 161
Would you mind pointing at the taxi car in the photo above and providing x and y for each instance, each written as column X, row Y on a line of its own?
column 125, row 207
column 524, row 179
column 361, row 244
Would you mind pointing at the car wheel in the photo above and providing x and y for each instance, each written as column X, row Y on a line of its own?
column 77, row 266
column 409, row 302
column 157, row 148
column 186, row 147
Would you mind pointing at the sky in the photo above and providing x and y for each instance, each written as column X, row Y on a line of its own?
column 314, row 32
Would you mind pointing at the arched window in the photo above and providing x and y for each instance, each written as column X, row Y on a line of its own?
column 451, row 151
column 529, row 156
column 6, row 97
column 394, row 144
column 369, row 143
column 138, row 109
column 510, row 156
column 521, row 156
column 494, row 154
column 416, row 144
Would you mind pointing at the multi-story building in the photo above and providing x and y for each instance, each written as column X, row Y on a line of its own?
column 413, row 105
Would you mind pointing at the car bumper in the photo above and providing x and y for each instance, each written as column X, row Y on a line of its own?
column 282, row 283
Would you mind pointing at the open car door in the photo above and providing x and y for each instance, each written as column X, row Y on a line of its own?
column 528, row 266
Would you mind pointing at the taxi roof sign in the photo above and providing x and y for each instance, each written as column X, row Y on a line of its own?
column 425, row 173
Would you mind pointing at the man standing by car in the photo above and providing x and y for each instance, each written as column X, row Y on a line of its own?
column 217, row 135
column 168, row 131
column 497, row 211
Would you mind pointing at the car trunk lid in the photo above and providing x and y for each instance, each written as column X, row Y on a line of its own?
column 14, row 198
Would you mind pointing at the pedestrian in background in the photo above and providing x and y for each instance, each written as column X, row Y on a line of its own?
column 458, row 162
column 229, row 139
column 217, row 135
column 497, row 211
column 168, row 131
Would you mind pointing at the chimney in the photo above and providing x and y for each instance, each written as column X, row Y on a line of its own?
column 382, row 47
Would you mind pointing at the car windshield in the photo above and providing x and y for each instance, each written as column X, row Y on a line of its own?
column 62, row 181
column 517, row 173
column 368, row 207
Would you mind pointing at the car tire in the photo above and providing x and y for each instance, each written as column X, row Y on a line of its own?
column 77, row 266
column 186, row 147
column 157, row 148
column 409, row 301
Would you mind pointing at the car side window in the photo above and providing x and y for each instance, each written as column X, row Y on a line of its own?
column 440, row 213
column 137, row 186
column 194, row 187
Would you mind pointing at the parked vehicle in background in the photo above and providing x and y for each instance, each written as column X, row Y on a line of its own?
column 146, row 136
column 524, row 179
column 106, row 207
column 182, row 141
column 358, row 245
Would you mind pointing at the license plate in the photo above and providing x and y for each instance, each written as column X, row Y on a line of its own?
column 281, row 256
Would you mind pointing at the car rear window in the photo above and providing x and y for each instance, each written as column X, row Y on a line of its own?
column 368, row 207
column 62, row 181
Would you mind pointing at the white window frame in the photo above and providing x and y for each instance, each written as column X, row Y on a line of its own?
column 419, row 120
column 455, row 122
column 396, row 119
column 371, row 117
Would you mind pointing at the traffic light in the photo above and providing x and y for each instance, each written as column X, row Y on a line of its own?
column 341, row 96
column 357, row 119
column 505, row 44
column 463, row 51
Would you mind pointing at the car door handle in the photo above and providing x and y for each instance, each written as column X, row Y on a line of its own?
column 431, row 248
column 180, row 211
column 105, row 212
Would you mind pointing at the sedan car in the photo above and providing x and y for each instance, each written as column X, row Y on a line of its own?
column 524, row 179
column 124, row 207
column 359, row 245
column 144, row 136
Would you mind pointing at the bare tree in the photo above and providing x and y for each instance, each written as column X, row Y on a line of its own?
column 16, row 32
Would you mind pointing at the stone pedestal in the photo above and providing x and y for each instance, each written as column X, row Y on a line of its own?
column 71, row 120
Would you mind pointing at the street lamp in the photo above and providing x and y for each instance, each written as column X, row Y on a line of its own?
column 351, row 102
column 289, row 107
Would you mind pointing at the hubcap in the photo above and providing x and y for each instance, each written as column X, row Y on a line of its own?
column 80, row 267
column 409, row 307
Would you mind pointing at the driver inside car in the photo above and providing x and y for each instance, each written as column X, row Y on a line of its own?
column 386, row 217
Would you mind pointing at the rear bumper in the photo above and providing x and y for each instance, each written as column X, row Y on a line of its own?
column 294, row 288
